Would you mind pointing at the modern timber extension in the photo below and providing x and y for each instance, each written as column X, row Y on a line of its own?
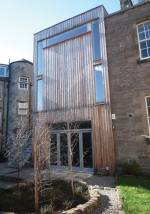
column 72, row 91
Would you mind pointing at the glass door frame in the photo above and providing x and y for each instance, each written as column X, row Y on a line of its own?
column 81, row 155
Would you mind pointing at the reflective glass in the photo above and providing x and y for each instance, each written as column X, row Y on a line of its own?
column 141, row 28
column 148, row 51
column 40, row 58
column 99, row 84
column 147, row 26
column 144, row 53
column 67, row 35
column 148, row 43
column 143, row 45
column 53, row 149
column 148, row 101
column 147, row 34
column 63, row 149
column 87, row 150
column 96, row 40
column 75, row 149
column 142, row 36
column 149, row 111
column 2, row 72
column 39, row 95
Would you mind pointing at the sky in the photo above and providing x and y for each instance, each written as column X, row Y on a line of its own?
column 20, row 19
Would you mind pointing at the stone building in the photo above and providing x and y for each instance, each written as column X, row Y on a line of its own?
column 19, row 97
column 128, row 51
column 15, row 99
column 4, row 77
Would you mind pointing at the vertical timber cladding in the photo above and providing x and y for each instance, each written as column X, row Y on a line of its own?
column 69, row 82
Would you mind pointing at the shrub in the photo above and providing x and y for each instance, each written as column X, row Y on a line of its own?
column 131, row 168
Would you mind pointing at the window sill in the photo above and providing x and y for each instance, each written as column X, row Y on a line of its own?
column 140, row 61
column 23, row 89
column 100, row 103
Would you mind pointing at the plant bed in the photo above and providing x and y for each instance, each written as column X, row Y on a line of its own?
column 59, row 197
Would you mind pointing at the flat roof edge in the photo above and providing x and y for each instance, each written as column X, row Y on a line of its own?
column 100, row 6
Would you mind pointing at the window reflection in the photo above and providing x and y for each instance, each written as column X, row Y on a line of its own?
column 67, row 35
column 144, row 39
column 99, row 84
column 96, row 40
column 39, row 95
column 40, row 58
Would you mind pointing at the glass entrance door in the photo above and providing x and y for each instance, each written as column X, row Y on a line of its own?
column 71, row 148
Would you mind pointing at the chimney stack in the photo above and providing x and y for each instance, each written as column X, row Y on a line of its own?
column 125, row 4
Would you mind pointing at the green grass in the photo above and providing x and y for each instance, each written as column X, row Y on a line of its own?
column 135, row 194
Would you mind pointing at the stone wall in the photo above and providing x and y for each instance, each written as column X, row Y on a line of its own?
column 129, row 84
column 19, row 69
column 3, row 110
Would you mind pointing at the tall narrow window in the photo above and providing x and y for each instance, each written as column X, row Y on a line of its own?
column 148, row 111
column 99, row 84
column 96, row 40
column 40, row 58
column 144, row 40
column 39, row 95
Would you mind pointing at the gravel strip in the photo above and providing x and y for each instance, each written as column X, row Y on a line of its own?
column 109, row 202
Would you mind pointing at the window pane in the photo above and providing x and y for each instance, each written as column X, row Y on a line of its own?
column 141, row 28
column 142, row 45
column 40, row 58
column 141, row 36
column 147, row 34
column 149, row 111
column 148, row 43
column 147, row 26
column 148, row 101
column 75, row 150
column 96, row 40
column 148, row 51
column 39, row 95
column 67, row 35
column 53, row 149
column 63, row 149
column 59, row 126
column 87, row 150
column 144, row 53
column 99, row 84
column 2, row 72
column 80, row 125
